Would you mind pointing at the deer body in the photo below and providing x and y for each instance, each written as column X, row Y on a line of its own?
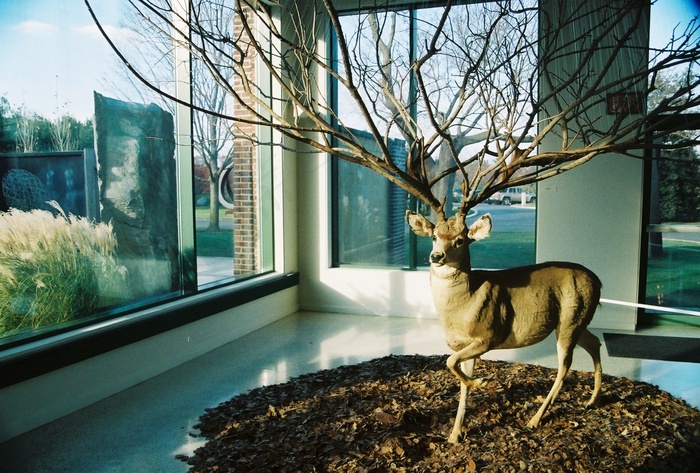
column 486, row 310
column 481, row 305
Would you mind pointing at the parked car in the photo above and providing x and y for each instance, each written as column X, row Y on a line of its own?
column 511, row 195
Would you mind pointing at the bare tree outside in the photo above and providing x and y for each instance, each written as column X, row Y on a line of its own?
column 26, row 133
column 213, row 135
column 62, row 133
column 150, row 49
column 455, row 87
column 473, row 80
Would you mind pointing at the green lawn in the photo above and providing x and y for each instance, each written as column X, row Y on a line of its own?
column 215, row 243
column 673, row 280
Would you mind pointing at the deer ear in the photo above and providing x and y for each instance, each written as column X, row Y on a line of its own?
column 420, row 225
column 481, row 228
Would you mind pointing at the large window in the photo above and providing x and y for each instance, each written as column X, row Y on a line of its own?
column 113, row 197
column 369, row 222
column 673, row 190
column 673, row 262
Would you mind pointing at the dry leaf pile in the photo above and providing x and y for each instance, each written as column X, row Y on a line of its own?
column 395, row 413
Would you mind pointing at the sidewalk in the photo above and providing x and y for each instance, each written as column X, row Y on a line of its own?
column 213, row 268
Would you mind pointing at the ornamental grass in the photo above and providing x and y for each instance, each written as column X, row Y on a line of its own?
column 52, row 268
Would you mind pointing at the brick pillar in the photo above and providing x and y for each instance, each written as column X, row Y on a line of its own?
column 244, row 179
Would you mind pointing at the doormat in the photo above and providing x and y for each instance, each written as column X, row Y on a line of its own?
column 650, row 347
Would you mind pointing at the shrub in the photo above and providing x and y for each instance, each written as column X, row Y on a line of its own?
column 52, row 268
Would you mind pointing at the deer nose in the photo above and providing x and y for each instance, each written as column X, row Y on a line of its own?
column 436, row 257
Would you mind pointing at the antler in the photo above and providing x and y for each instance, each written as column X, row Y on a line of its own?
column 440, row 211
column 464, row 206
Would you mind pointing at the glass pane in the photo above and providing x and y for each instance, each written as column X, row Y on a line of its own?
column 228, row 159
column 673, row 271
column 109, row 241
column 369, row 211
column 673, row 263
column 370, row 215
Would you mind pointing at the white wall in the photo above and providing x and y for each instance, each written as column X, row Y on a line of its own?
column 593, row 215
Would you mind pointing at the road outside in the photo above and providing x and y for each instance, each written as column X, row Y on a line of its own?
column 508, row 218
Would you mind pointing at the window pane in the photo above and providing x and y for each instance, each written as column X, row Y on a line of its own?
column 228, row 160
column 673, row 260
column 78, row 132
column 369, row 211
column 673, row 267
column 370, row 214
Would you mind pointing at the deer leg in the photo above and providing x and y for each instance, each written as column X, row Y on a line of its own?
column 565, row 353
column 468, row 369
column 457, row 360
column 591, row 344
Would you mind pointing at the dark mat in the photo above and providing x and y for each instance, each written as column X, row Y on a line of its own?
column 648, row 347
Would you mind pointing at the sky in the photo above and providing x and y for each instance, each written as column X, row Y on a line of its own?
column 667, row 14
column 53, row 56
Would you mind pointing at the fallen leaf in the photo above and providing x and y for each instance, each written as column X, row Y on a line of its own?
column 395, row 413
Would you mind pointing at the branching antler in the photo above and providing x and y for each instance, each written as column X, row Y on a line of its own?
column 482, row 91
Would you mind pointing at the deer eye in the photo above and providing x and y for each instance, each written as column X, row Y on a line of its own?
column 458, row 242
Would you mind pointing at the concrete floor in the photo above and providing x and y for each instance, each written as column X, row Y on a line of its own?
column 143, row 428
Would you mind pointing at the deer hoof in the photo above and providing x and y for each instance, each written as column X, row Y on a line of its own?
column 592, row 403
column 478, row 383
column 533, row 424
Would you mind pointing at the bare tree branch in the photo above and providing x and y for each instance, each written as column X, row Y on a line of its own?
column 488, row 91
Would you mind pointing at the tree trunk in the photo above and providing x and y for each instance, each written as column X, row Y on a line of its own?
column 213, row 204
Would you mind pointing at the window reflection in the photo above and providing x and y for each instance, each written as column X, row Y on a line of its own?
column 87, row 148
column 89, row 220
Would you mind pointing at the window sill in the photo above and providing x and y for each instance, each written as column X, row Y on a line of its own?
column 33, row 359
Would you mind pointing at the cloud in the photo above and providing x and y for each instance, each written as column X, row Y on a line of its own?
column 34, row 27
column 114, row 32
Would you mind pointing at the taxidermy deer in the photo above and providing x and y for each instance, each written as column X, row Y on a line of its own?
column 487, row 310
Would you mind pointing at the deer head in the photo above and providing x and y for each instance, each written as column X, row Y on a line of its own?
column 451, row 237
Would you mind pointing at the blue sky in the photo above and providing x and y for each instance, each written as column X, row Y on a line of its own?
column 667, row 14
column 53, row 57
column 39, row 43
